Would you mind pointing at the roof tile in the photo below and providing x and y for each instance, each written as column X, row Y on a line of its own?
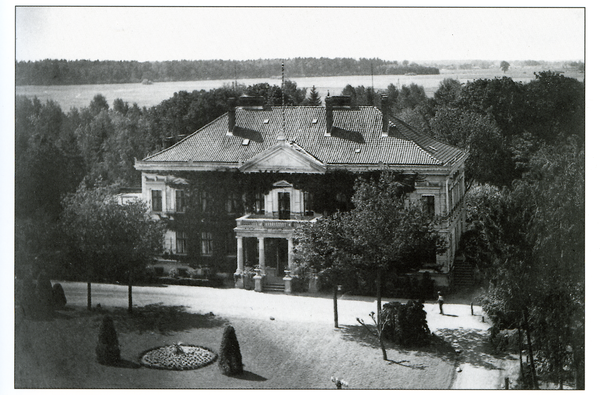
column 356, row 138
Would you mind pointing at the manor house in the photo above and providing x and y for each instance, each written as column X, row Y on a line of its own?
column 278, row 149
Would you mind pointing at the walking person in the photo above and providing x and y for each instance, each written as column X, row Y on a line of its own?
column 441, row 302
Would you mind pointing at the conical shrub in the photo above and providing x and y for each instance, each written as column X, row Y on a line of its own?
column 230, row 357
column 58, row 296
column 107, row 348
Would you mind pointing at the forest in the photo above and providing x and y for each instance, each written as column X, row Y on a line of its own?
column 78, row 72
column 525, row 201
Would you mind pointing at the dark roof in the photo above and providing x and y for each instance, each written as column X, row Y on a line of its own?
column 356, row 138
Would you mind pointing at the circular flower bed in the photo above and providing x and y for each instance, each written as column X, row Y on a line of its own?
column 177, row 357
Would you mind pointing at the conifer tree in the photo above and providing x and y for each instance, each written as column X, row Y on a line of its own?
column 230, row 357
column 107, row 348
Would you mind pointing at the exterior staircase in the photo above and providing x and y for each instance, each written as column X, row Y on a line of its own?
column 273, row 284
column 462, row 274
column 274, row 287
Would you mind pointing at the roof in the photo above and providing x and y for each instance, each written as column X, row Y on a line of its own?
column 356, row 139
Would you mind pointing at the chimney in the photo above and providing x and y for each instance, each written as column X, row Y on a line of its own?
column 251, row 102
column 231, row 115
column 328, row 115
column 337, row 103
column 386, row 116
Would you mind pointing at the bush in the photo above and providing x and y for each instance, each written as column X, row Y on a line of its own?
column 58, row 296
column 505, row 340
column 230, row 357
column 107, row 348
column 405, row 324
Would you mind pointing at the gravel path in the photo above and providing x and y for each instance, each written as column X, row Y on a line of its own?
column 476, row 367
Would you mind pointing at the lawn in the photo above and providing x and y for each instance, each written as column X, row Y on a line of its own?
column 59, row 353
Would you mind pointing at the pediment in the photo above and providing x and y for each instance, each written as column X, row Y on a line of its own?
column 283, row 158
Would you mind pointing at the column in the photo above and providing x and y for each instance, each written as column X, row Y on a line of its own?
column 261, row 253
column 240, row 255
column 238, row 276
column 291, row 254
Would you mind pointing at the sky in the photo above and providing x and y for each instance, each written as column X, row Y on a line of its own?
column 389, row 33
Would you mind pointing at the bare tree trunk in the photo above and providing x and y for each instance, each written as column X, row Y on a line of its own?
column 530, row 349
column 378, row 283
column 89, row 295
column 521, row 352
column 335, row 308
column 379, row 323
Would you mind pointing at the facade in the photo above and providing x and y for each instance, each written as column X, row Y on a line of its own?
column 283, row 147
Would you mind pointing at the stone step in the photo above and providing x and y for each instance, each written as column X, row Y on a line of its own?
column 274, row 288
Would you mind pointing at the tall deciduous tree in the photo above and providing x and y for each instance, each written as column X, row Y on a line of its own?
column 382, row 233
column 320, row 250
column 504, row 65
column 538, row 242
column 109, row 240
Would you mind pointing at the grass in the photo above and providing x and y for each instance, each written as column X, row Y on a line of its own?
column 59, row 353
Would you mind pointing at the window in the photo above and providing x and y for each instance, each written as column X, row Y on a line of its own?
column 429, row 204
column 204, row 201
column 179, row 201
column 207, row 243
column 284, row 205
column 232, row 202
column 259, row 203
column 181, row 243
column 157, row 200
column 308, row 203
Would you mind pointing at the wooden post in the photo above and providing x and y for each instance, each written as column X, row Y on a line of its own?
column 472, row 308
column 506, row 386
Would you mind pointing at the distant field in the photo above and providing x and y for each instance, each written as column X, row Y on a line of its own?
column 68, row 96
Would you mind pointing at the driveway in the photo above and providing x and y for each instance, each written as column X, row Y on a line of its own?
column 477, row 367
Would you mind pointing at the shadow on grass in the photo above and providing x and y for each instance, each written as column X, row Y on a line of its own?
column 406, row 364
column 437, row 346
column 127, row 364
column 474, row 346
column 249, row 376
column 150, row 318
column 163, row 319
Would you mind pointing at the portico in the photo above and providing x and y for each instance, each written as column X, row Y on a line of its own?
column 269, row 232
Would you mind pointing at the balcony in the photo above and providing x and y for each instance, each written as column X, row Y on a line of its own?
column 266, row 222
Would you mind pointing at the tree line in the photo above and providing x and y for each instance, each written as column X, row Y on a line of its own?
column 78, row 72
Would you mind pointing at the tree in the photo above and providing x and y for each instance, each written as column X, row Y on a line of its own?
column 536, row 236
column 448, row 92
column 411, row 96
column 107, row 240
column 230, row 357
column 504, row 65
column 313, row 98
column 320, row 249
column 107, row 346
column 383, row 233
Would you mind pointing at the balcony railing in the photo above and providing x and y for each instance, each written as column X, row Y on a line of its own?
column 267, row 222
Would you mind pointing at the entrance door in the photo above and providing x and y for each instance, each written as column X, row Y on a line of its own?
column 284, row 205
column 276, row 259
